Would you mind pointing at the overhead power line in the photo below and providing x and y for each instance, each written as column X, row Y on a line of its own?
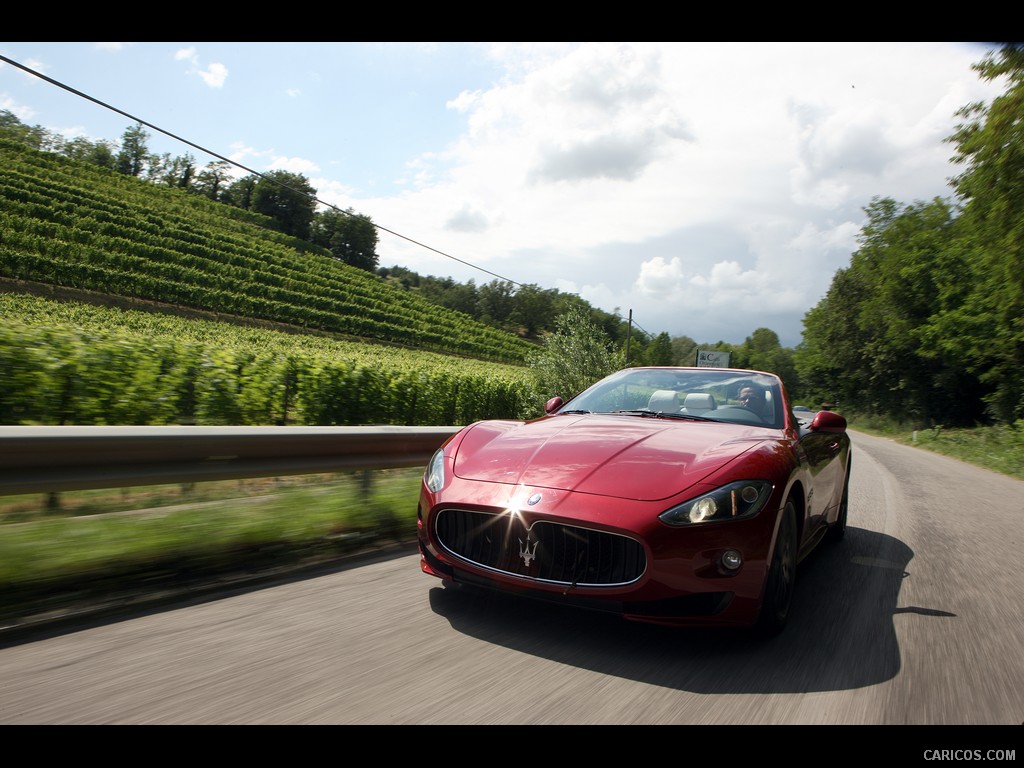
column 210, row 152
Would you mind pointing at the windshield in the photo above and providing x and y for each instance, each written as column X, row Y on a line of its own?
column 744, row 397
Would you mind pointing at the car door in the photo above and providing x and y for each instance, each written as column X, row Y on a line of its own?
column 824, row 443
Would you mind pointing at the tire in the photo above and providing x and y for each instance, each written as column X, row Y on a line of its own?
column 778, row 588
column 837, row 531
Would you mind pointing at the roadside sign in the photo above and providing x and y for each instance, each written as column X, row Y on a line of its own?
column 712, row 359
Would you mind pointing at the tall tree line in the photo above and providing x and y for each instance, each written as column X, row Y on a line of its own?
column 928, row 319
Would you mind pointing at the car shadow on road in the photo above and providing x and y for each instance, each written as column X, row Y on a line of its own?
column 840, row 636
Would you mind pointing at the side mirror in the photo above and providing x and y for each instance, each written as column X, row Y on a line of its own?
column 828, row 421
column 553, row 404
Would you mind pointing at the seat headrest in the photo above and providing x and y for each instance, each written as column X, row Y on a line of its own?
column 664, row 400
column 699, row 401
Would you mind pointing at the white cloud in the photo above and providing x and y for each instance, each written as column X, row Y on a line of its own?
column 659, row 278
column 23, row 112
column 729, row 179
column 293, row 165
column 333, row 192
column 214, row 75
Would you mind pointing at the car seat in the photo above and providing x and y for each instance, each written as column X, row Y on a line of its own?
column 664, row 401
column 698, row 403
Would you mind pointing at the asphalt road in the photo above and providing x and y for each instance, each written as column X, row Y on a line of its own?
column 917, row 618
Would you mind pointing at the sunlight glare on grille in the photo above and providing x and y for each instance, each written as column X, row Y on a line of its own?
column 565, row 554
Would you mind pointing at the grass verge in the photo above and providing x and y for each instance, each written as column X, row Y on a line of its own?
column 96, row 543
column 999, row 448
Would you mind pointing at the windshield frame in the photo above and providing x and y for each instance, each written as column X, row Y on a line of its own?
column 661, row 391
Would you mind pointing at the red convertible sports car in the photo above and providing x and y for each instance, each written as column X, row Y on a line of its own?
column 678, row 496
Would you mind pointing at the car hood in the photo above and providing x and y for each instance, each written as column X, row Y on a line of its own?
column 621, row 456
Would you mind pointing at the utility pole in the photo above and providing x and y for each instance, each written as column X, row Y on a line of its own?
column 629, row 334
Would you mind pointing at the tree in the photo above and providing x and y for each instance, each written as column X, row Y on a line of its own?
column 875, row 340
column 101, row 153
column 495, row 302
column 213, row 180
column 239, row 193
column 832, row 358
column 288, row 199
column 134, row 155
column 575, row 356
column 684, row 351
column 762, row 351
column 659, row 351
column 11, row 127
column 462, row 297
column 173, row 171
column 532, row 309
column 990, row 146
column 350, row 237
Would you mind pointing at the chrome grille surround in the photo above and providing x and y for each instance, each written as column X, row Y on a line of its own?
column 542, row 550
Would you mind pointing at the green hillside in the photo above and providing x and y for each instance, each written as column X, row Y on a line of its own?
column 72, row 363
column 74, row 225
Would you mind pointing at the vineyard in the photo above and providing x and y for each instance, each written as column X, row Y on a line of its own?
column 73, row 224
column 357, row 350
column 71, row 363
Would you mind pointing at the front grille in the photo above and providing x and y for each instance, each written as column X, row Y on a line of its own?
column 542, row 551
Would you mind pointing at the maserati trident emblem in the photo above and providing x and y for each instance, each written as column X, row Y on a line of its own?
column 525, row 552
column 534, row 499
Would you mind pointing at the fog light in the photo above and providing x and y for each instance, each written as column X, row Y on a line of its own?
column 731, row 559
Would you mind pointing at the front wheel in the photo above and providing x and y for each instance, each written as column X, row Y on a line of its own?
column 778, row 590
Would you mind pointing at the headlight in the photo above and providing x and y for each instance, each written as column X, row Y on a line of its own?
column 434, row 475
column 730, row 502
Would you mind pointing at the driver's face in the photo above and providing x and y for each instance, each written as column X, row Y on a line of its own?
column 748, row 395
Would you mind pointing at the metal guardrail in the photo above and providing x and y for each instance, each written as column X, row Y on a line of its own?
column 49, row 459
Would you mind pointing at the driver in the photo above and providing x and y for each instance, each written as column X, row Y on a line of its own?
column 752, row 398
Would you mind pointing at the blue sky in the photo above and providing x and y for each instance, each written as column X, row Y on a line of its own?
column 711, row 188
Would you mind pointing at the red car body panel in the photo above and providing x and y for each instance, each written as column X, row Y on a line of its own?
column 607, row 455
column 610, row 476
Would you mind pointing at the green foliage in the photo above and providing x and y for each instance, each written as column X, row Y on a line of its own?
column 684, row 351
column 526, row 310
column 288, row 199
column 926, row 320
column 533, row 308
column 529, row 310
column 575, row 356
column 350, row 237
column 13, row 129
column 762, row 351
column 133, row 156
column 990, row 146
column 101, row 153
column 999, row 447
column 64, row 363
column 213, row 180
column 659, row 351
column 208, row 531
column 864, row 340
column 71, row 224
